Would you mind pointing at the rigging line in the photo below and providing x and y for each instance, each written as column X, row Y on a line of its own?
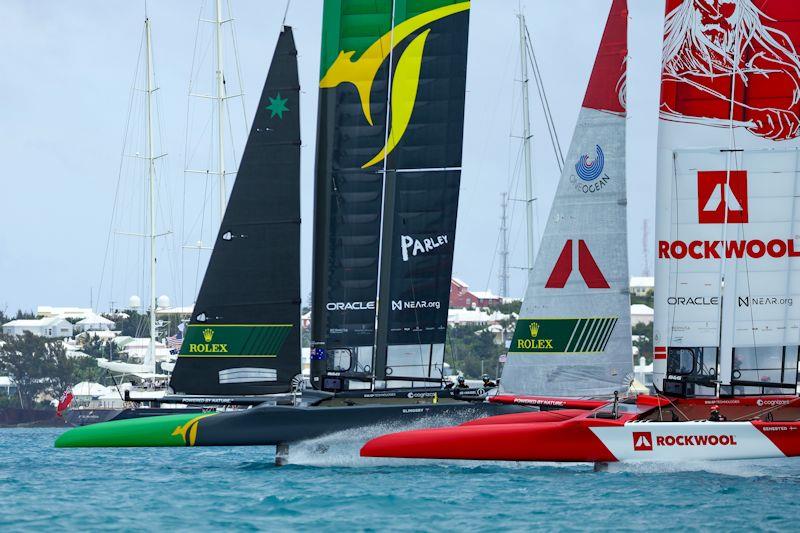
column 238, row 64
column 202, row 226
column 164, row 186
column 548, row 116
column 186, row 155
column 731, row 147
column 126, row 130
column 493, row 116
column 234, row 152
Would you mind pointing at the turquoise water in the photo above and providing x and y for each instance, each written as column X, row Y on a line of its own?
column 239, row 489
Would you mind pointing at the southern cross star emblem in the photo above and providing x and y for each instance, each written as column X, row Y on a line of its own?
column 277, row 106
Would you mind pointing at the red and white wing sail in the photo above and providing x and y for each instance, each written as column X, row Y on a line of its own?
column 728, row 216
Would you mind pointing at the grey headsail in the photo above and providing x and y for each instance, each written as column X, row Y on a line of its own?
column 244, row 334
column 573, row 337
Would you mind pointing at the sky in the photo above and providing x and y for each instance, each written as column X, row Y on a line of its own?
column 69, row 98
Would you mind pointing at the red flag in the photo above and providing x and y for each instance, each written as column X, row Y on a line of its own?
column 64, row 401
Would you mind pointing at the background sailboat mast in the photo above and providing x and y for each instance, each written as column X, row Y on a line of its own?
column 220, row 98
column 151, row 175
column 526, row 140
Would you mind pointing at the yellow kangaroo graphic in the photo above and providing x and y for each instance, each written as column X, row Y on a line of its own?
column 361, row 72
column 188, row 431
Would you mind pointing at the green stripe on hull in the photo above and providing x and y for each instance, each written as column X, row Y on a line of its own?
column 154, row 431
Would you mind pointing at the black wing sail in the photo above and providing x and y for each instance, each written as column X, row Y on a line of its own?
column 387, row 189
column 244, row 334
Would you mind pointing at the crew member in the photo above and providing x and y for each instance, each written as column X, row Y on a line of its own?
column 715, row 415
column 462, row 384
column 488, row 383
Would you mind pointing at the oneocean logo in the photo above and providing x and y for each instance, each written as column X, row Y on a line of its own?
column 590, row 170
column 722, row 197
column 642, row 441
column 590, row 177
column 587, row 266
column 405, row 78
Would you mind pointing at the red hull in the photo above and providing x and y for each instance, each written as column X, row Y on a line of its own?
column 584, row 438
column 569, row 441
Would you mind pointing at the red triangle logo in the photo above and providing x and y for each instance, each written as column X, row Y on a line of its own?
column 587, row 266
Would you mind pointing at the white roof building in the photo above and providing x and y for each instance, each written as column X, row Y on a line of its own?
column 90, row 389
column 102, row 335
column 94, row 322
column 52, row 327
column 460, row 317
column 185, row 310
column 136, row 348
column 641, row 314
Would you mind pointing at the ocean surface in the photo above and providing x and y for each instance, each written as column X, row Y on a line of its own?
column 328, row 487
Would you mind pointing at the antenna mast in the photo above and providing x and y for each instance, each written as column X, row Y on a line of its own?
column 645, row 248
column 504, row 277
column 526, row 140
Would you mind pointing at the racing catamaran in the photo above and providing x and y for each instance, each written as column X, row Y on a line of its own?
column 386, row 193
column 726, row 331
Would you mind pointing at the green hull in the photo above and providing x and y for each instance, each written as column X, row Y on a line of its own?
column 167, row 430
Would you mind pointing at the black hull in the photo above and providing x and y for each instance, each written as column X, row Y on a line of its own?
column 273, row 425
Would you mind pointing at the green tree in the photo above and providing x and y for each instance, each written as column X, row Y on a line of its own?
column 136, row 325
column 97, row 347
column 30, row 361
column 645, row 340
column 67, row 371
column 647, row 299
column 507, row 308
column 469, row 346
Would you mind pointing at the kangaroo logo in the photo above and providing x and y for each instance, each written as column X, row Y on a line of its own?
column 188, row 431
column 587, row 266
column 405, row 80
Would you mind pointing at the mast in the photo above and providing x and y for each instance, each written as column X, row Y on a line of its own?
column 526, row 140
column 382, row 293
column 151, row 178
column 220, row 98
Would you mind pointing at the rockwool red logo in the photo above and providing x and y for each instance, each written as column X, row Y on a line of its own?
column 642, row 441
column 720, row 192
column 587, row 267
